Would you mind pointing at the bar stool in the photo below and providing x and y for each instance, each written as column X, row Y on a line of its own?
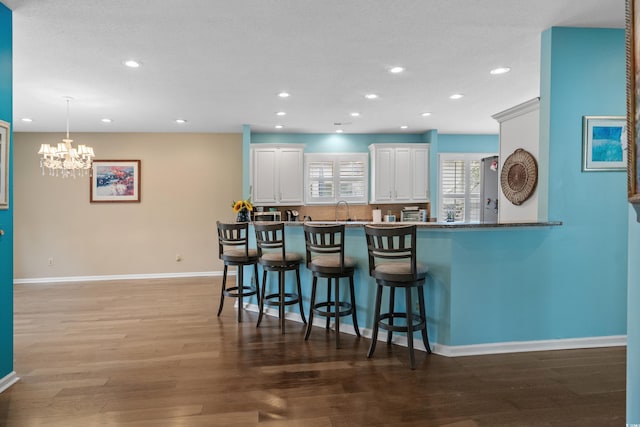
column 326, row 259
column 392, row 262
column 233, row 249
column 273, row 256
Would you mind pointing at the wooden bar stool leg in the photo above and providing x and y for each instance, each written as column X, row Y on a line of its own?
column 353, row 306
column 261, row 298
column 392, row 304
column 328, row 318
column 255, row 274
column 407, row 294
column 239, row 282
column 423, row 314
column 300, row 296
column 311, row 307
column 376, row 321
column 281, row 300
column 336, row 307
column 224, row 287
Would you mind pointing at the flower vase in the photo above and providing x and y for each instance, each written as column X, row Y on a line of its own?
column 243, row 216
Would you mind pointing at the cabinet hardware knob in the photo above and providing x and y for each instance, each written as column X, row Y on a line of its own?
column 1, row 232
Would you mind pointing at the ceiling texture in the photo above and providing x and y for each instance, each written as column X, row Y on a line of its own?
column 220, row 64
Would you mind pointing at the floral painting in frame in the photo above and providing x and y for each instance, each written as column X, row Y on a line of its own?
column 115, row 181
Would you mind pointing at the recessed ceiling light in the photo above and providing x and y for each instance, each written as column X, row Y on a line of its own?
column 278, row 126
column 281, row 113
column 181, row 121
column 396, row 70
column 106, row 120
column 456, row 96
column 404, row 127
column 26, row 120
column 355, row 114
column 339, row 131
column 425, row 114
column 132, row 63
column 500, row 70
column 284, row 94
column 371, row 96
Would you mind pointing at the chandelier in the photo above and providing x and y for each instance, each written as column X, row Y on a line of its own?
column 64, row 160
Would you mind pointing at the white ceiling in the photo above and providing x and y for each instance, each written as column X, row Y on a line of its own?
column 220, row 63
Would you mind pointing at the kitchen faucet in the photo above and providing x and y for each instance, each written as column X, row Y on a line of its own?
column 343, row 202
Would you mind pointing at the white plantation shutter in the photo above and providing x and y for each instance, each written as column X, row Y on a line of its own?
column 332, row 177
column 321, row 174
column 459, row 186
column 352, row 179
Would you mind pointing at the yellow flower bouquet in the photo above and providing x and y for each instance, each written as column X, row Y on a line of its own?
column 242, row 206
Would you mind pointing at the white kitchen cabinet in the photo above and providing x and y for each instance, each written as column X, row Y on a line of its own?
column 276, row 174
column 399, row 173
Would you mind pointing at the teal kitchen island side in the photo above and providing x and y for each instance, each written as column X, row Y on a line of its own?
column 489, row 285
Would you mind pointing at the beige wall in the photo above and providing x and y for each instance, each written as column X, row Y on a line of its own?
column 188, row 182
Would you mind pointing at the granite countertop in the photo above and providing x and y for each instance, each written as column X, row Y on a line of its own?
column 434, row 225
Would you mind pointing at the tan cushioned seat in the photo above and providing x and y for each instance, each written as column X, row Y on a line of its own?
column 238, row 255
column 330, row 263
column 399, row 271
column 276, row 257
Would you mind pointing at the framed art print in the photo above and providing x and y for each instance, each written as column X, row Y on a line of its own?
column 115, row 181
column 604, row 143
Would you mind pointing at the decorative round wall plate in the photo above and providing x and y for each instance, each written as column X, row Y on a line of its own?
column 519, row 176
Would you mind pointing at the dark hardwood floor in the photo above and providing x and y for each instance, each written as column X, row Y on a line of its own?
column 153, row 353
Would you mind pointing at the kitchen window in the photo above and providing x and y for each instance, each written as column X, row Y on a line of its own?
column 459, row 186
column 332, row 177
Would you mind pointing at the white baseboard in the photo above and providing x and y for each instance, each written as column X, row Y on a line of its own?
column 120, row 277
column 523, row 346
column 466, row 350
column 8, row 381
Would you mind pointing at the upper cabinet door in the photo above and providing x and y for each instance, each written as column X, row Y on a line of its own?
column 399, row 173
column 382, row 178
column 420, row 168
column 291, row 170
column 276, row 174
column 403, row 175
column 263, row 176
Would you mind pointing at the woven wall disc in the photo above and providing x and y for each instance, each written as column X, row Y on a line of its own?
column 519, row 176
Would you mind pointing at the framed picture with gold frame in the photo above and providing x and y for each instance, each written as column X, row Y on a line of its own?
column 5, row 134
column 633, row 98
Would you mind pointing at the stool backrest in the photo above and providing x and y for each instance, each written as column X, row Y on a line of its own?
column 233, row 235
column 324, row 240
column 270, row 237
column 391, row 244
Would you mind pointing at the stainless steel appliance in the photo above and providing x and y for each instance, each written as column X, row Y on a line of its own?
column 291, row 215
column 413, row 215
column 268, row 216
column 489, row 189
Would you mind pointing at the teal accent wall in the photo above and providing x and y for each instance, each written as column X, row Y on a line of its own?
column 6, row 216
column 334, row 142
column 584, row 74
column 454, row 143
column 633, row 322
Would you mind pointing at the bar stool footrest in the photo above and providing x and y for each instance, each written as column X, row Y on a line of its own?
column 247, row 291
column 418, row 322
column 274, row 299
column 327, row 309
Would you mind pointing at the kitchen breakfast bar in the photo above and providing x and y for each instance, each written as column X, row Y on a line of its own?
column 486, row 283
